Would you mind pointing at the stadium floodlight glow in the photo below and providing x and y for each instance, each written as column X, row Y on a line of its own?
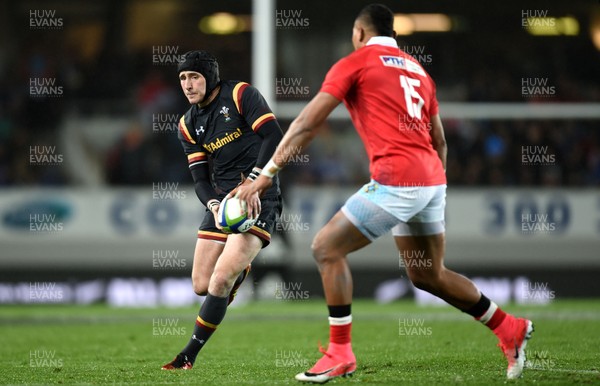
column 595, row 31
column 403, row 25
column 406, row 24
column 552, row 26
column 223, row 23
column 570, row 26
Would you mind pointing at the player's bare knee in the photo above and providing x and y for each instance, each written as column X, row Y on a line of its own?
column 200, row 287
column 199, row 284
column 221, row 283
column 323, row 251
column 424, row 279
column 421, row 284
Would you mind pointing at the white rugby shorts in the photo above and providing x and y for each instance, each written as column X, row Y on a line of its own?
column 407, row 211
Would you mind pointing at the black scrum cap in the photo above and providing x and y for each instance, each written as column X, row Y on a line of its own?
column 204, row 63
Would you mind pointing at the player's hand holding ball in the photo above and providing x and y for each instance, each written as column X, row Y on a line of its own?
column 233, row 216
column 213, row 206
column 248, row 193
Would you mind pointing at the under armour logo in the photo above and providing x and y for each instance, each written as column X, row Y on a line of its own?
column 200, row 130
column 201, row 341
column 261, row 223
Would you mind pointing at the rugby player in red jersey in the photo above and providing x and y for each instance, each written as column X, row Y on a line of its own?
column 230, row 123
column 392, row 103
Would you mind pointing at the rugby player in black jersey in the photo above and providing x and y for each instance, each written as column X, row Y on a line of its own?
column 231, row 124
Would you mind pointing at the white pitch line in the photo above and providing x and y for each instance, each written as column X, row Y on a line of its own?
column 576, row 371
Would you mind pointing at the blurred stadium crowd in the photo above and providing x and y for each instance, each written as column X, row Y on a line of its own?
column 480, row 152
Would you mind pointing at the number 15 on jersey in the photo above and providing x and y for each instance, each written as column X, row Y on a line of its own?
column 410, row 95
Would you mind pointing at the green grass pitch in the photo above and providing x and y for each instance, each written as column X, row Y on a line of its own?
column 267, row 343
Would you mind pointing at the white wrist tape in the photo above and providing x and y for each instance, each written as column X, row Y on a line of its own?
column 271, row 169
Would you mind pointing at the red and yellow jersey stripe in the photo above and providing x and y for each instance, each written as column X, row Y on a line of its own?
column 202, row 323
column 196, row 158
column 238, row 91
column 208, row 235
column 262, row 120
column 260, row 233
column 184, row 131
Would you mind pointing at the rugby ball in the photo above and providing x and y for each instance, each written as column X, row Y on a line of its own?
column 233, row 216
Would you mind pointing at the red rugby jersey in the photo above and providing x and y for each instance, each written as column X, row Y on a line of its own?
column 391, row 100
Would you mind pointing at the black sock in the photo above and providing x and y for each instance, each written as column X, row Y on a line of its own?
column 240, row 278
column 340, row 311
column 479, row 308
column 210, row 316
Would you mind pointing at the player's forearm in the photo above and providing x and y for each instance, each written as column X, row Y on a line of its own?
column 439, row 144
column 302, row 130
column 305, row 127
column 438, row 139
column 271, row 134
column 205, row 192
column 202, row 186
column 295, row 140
column 442, row 151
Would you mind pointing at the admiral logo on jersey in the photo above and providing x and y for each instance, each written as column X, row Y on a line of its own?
column 226, row 132
column 220, row 142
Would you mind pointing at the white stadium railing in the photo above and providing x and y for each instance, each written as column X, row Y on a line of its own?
column 458, row 110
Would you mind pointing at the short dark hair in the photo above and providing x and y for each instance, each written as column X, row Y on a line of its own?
column 379, row 17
